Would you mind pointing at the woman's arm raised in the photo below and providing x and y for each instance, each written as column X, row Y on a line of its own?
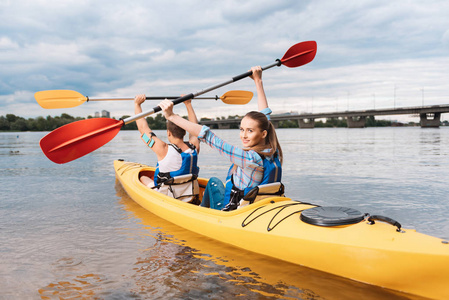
column 262, row 102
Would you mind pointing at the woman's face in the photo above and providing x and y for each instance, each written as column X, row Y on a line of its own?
column 250, row 133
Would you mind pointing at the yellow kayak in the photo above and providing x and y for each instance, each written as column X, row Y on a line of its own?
column 378, row 253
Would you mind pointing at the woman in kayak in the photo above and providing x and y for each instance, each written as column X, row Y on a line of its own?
column 257, row 162
column 177, row 157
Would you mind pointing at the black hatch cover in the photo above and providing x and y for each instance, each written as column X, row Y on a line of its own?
column 331, row 216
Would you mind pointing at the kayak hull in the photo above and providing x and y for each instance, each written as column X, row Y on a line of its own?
column 377, row 254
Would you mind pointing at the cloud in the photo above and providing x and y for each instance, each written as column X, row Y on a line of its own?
column 367, row 51
column 7, row 44
column 445, row 38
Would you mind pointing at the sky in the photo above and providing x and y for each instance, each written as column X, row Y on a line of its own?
column 371, row 54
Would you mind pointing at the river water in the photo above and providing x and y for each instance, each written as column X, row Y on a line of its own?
column 71, row 232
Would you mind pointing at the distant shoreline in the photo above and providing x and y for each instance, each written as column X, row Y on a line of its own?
column 13, row 123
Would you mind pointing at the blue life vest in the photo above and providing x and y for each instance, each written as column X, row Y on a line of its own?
column 188, row 166
column 272, row 172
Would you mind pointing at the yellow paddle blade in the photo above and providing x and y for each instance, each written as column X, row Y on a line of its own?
column 59, row 99
column 237, row 97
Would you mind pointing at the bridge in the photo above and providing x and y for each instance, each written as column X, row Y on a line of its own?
column 430, row 116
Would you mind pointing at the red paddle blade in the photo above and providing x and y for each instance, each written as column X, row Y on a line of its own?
column 299, row 54
column 77, row 139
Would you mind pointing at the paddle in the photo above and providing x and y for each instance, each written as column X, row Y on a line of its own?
column 67, row 98
column 77, row 139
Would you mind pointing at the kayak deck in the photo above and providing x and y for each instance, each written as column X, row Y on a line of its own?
column 377, row 254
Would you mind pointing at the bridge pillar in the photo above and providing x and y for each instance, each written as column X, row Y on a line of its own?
column 356, row 122
column 275, row 123
column 430, row 120
column 306, row 123
column 224, row 126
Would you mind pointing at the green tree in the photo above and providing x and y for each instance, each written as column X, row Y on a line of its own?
column 67, row 116
column 288, row 124
column 372, row 122
column 4, row 123
column 336, row 122
column 19, row 125
column 11, row 118
column 41, row 124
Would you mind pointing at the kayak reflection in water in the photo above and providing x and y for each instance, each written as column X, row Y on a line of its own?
column 257, row 162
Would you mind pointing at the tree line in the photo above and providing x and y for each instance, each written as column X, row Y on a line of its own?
column 11, row 122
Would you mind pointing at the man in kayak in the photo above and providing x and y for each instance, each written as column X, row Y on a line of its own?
column 257, row 162
column 174, row 159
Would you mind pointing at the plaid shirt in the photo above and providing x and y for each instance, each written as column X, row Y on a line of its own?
column 249, row 171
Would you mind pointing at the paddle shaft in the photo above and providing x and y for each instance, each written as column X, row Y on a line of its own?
column 198, row 93
column 147, row 98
